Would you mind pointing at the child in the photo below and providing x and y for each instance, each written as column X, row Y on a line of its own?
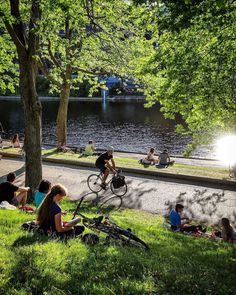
column 43, row 189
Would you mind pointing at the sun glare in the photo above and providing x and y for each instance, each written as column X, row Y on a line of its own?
column 226, row 149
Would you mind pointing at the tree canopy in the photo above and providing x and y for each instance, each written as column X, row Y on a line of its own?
column 191, row 71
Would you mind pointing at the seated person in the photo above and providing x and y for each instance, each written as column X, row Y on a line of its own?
column 89, row 149
column 50, row 215
column 227, row 232
column 177, row 225
column 150, row 157
column 8, row 191
column 102, row 163
column 15, row 141
column 43, row 189
column 164, row 159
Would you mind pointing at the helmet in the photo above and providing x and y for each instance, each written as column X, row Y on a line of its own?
column 90, row 239
column 110, row 148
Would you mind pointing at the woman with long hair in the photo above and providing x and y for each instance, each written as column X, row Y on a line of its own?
column 150, row 156
column 50, row 216
column 227, row 233
column 15, row 141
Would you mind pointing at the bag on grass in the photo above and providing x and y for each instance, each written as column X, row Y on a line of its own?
column 144, row 162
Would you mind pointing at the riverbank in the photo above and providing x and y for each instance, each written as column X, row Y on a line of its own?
column 205, row 172
column 121, row 98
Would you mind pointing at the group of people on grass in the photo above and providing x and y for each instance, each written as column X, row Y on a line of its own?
column 162, row 160
column 227, row 233
column 47, row 199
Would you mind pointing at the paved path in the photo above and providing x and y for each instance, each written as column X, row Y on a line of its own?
column 149, row 194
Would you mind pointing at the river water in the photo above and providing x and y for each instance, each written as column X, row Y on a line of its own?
column 127, row 126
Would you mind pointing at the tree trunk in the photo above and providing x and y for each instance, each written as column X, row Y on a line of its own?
column 32, row 117
column 62, row 116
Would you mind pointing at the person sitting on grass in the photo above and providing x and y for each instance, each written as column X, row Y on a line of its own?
column 178, row 225
column 164, row 159
column 102, row 163
column 15, row 141
column 11, row 193
column 89, row 149
column 50, row 215
column 150, row 157
column 43, row 189
column 227, row 232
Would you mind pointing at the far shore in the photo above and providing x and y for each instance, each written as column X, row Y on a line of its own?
column 113, row 98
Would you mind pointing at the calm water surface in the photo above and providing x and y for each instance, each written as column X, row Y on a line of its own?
column 128, row 126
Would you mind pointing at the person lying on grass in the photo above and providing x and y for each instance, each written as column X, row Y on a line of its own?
column 11, row 193
column 50, row 215
column 178, row 225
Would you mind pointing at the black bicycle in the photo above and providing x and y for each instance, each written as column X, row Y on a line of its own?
column 113, row 231
column 117, row 183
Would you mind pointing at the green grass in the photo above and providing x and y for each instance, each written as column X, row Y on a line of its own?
column 219, row 173
column 175, row 264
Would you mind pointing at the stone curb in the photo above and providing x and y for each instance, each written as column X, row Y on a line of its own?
column 199, row 179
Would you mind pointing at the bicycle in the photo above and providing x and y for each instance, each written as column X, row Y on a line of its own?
column 94, row 183
column 113, row 231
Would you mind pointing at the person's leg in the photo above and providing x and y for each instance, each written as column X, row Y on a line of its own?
column 105, row 175
column 21, row 198
column 78, row 229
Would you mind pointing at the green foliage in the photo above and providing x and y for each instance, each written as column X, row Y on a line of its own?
column 9, row 69
column 33, row 264
column 191, row 71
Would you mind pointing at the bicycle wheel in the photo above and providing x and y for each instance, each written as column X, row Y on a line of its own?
column 94, row 182
column 130, row 239
column 111, row 204
column 120, row 191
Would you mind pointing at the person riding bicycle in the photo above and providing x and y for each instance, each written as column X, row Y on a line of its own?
column 102, row 163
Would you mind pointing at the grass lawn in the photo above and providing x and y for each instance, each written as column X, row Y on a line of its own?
column 175, row 264
column 219, row 173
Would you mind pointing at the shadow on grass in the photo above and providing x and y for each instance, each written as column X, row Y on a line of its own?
column 176, row 264
column 30, row 239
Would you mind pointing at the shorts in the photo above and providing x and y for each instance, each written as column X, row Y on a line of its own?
column 102, row 167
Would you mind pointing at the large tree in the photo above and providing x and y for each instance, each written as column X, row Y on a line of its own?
column 21, row 21
column 82, row 40
column 191, row 70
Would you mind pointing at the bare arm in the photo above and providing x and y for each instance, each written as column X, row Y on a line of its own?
column 58, row 224
column 23, row 189
column 113, row 167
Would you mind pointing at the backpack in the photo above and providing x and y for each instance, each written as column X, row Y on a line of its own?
column 118, row 181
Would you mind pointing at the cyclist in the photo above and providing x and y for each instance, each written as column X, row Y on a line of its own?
column 102, row 163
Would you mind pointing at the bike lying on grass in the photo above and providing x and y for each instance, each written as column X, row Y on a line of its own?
column 113, row 231
column 117, row 183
